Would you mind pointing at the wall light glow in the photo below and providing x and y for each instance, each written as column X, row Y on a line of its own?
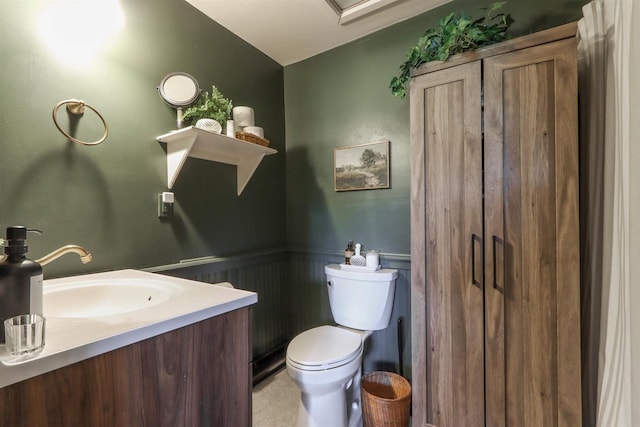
column 75, row 30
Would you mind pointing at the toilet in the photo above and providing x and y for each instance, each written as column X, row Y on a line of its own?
column 325, row 362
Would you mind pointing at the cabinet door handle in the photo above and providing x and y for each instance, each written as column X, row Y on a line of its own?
column 474, row 238
column 495, row 241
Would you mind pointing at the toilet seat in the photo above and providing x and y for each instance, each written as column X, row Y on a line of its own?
column 324, row 347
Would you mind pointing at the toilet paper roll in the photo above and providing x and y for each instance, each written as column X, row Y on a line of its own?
column 243, row 116
column 254, row 130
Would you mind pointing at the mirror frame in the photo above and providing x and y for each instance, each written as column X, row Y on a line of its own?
column 178, row 103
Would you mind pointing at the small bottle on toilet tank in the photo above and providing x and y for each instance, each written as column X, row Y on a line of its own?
column 348, row 253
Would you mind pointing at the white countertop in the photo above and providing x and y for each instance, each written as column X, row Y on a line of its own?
column 70, row 340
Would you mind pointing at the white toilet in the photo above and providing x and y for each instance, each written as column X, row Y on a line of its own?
column 325, row 362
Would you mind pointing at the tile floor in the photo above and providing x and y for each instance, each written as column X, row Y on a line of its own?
column 275, row 401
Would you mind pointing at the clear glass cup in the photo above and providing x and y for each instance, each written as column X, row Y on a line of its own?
column 24, row 333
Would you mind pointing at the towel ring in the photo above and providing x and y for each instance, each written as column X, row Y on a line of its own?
column 77, row 107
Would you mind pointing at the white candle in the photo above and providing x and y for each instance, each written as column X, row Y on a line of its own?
column 373, row 259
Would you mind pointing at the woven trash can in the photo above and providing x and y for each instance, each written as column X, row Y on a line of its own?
column 386, row 400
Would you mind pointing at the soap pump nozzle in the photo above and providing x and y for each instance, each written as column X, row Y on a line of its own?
column 16, row 241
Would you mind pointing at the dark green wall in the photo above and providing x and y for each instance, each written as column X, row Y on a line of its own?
column 341, row 98
column 104, row 197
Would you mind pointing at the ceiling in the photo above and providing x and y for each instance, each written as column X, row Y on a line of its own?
column 289, row 31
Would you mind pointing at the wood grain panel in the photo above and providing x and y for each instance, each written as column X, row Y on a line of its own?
column 530, row 238
column 418, row 255
column 494, row 245
column 447, row 214
column 568, row 238
column 194, row 376
column 530, row 159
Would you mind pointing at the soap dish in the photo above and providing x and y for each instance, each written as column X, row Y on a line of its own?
column 349, row 267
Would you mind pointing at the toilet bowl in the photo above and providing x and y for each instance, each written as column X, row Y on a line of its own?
column 325, row 362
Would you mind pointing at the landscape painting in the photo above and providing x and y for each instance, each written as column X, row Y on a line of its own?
column 361, row 167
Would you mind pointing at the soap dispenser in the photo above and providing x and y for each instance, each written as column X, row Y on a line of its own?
column 20, row 278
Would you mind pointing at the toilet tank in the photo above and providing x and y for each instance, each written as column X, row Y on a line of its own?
column 361, row 299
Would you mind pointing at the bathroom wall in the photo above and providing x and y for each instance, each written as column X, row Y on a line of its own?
column 341, row 98
column 104, row 197
column 264, row 272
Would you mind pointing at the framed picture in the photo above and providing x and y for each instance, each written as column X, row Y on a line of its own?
column 361, row 167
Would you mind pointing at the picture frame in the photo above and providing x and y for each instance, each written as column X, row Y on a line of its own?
column 361, row 167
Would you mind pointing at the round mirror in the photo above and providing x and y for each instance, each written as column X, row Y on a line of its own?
column 179, row 89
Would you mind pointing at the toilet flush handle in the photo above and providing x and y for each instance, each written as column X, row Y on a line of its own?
column 329, row 282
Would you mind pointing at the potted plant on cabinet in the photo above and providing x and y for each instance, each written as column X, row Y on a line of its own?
column 456, row 33
column 210, row 112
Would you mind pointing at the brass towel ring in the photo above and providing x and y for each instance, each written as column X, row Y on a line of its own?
column 77, row 107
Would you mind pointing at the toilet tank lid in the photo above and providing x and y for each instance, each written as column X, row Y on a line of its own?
column 383, row 275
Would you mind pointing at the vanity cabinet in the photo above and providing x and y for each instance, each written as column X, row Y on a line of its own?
column 495, row 236
column 198, row 375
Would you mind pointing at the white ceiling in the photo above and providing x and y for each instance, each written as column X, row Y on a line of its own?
column 289, row 31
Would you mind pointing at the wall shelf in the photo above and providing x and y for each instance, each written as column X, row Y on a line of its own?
column 202, row 144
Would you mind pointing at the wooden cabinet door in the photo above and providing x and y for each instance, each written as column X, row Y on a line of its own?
column 531, row 238
column 446, row 211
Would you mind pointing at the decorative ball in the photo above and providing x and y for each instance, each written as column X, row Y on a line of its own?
column 209, row 125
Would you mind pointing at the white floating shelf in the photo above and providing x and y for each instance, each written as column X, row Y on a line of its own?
column 202, row 144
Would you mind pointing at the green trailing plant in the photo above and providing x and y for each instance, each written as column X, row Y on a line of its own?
column 210, row 106
column 456, row 33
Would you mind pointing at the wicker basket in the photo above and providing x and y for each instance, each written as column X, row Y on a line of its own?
column 249, row 137
column 386, row 400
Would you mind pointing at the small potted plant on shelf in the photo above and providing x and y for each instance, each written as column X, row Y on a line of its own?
column 210, row 112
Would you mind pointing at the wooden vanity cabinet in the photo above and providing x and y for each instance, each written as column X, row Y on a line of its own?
column 495, row 236
column 198, row 375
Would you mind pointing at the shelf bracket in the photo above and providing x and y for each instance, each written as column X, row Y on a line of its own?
column 177, row 153
column 246, row 167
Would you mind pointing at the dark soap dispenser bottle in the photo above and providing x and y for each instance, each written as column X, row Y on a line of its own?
column 348, row 253
column 20, row 278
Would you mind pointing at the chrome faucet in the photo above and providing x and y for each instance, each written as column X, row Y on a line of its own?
column 85, row 256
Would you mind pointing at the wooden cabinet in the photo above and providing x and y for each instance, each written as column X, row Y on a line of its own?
column 198, row 375
column 495, row 247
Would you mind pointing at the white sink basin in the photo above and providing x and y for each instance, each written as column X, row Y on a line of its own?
column 92, row 314
column 106, row 297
